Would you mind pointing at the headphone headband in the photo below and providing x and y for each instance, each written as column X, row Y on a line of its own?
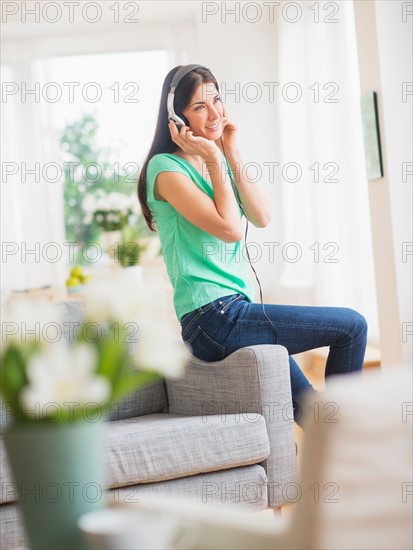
column 180, row 73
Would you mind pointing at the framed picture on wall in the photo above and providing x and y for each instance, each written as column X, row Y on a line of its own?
column 371, row 133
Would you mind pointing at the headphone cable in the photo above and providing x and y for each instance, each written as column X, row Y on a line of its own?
column 245, row 240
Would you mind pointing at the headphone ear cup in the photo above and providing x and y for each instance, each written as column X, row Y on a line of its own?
column 185, row 120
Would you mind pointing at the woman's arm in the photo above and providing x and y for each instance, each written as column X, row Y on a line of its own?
column 199, row 209
column 224, row 198
column 253, row 200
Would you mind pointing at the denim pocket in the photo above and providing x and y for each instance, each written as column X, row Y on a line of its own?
column 226, row 306
column 223, row 305
column 189, row 321
column 204, row 347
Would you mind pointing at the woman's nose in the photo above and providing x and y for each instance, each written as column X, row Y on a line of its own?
column 213, row 113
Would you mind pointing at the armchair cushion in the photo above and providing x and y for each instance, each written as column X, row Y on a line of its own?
column 159, row 447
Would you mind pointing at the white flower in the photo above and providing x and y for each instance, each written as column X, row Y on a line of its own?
column 27, row 321
column 160, row 348
column 89, row 204
column 111, row 299
column 133, row 219
column 142, row 307
column 110, row 202
column 112, row 217
column 64, row 374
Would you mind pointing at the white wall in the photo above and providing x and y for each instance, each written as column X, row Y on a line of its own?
column 394, row 41
column 385, row 61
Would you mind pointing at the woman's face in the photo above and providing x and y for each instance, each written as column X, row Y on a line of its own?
column 204, row 112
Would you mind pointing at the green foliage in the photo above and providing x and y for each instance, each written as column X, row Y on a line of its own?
column 100, row 218
column 87, row 169
column 128, row 253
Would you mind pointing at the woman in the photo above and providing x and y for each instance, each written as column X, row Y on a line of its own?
column 186, row 189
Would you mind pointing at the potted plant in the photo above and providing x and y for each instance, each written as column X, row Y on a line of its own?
column 128, row 255
column 57, row 394
column 111, row 212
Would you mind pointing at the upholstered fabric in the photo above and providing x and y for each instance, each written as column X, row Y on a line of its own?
column 162, row 447
column 159, row 447
column 246, row 487
column 8, row 490
column 12, row 530
column 252, row 381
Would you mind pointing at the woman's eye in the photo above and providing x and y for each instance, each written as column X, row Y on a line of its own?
column 217, row 99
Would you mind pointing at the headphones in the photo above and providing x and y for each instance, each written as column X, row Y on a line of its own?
column 181, row 121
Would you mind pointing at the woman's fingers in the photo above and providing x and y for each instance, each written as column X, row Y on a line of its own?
column 183, row 137
column 184, row 131
column 186, row 140
column 176, row 135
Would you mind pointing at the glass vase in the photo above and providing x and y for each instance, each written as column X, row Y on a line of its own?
column 59, row 472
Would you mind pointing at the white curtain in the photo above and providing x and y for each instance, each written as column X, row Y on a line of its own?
column 322, row 130
column 32, row 219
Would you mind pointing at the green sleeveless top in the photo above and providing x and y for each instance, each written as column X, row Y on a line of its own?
column 201, row 267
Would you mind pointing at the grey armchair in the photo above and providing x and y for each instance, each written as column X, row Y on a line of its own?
column 222, row 433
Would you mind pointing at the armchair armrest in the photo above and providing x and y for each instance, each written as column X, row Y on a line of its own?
column 252, row 380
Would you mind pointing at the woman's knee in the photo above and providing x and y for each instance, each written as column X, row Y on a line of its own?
column 357, row 324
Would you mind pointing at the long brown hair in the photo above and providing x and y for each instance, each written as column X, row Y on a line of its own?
column 162, row 142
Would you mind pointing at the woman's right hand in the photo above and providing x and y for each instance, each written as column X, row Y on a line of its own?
column 190, row 144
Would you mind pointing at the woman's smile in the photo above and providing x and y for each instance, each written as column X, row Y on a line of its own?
column 214, row 127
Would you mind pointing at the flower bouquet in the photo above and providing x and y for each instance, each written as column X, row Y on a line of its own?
column 57, row 383
column 110, row 211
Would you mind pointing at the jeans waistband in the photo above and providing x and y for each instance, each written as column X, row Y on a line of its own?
column 206, row 307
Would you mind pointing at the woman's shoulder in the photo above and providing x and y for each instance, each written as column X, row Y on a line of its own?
column 165, row 162
column 164, row 158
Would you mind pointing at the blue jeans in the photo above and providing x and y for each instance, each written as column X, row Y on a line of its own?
column 219, row 328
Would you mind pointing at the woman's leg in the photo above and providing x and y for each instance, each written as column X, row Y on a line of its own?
column 300, row 386
column 232, row 322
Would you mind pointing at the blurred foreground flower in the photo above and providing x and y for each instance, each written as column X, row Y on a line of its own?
column 63, row 374
column 123, row 343
column 158, row 348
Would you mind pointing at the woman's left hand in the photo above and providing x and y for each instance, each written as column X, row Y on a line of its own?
column 228, row 136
